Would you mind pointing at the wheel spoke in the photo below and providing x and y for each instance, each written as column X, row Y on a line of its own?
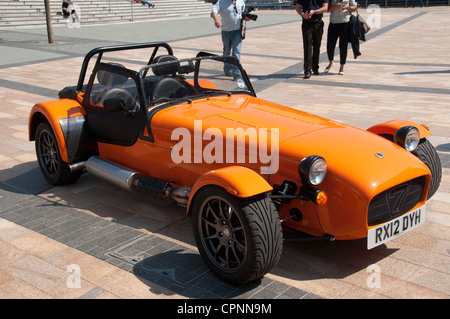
column 211, row 237
column 45, row 154
column 54, row 167
column 240, row 246
column 219, row 246
column 236, row 229
column 49, row 153
column 209, row 223
column 233, row 249
column 48, row 140
column 210, row 209
column 227, row 257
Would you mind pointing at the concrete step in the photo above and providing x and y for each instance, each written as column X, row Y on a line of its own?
column 31, row 13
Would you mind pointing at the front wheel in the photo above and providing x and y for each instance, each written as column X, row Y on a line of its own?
column 239, row 239
column 54, row 169
column 426, row 152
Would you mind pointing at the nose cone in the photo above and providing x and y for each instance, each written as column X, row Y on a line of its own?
column 360, row 159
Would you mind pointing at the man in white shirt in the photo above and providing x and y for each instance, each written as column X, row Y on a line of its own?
column 230, row 12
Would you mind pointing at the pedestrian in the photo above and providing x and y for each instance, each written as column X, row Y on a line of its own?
column 145, row 2
column 421, row 3
column 230, row 12
column 311, row 12
column 65, row 9
column 68, row 10
column 339, row 28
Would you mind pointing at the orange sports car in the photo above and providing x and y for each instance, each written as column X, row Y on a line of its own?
column 192, row 130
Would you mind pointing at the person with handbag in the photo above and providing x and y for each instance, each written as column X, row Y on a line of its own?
column 339, row 28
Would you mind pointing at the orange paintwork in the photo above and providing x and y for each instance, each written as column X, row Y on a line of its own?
column 54, row 111
column 206, row 84
column 231, row 179
column 355, row 175
column 391, row 126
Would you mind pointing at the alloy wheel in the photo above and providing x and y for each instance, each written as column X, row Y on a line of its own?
column 49, row 153
column 222, row 234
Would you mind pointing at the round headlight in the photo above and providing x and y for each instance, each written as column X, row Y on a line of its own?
column 312, row 170
column 407, row 137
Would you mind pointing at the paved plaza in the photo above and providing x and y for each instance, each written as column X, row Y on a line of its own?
column 94, row 240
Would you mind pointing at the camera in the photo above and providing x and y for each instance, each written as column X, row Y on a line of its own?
column 247, row 14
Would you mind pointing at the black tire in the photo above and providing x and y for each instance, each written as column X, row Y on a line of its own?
column 426, row 152
column 239, row 239
column 54, row 169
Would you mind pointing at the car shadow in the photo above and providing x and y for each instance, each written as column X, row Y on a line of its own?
column 174, row 266
column 443, row 153
column 313, row 260
column 443, row 147
column 423, row 72
column 180, row 273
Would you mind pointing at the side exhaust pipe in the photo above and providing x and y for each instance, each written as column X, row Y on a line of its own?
column 131, row 180
column 111, row 172
column 161, row 189
column 180, row 194
column 77, row 166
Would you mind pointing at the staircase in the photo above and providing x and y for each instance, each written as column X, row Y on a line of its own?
column 31, row 13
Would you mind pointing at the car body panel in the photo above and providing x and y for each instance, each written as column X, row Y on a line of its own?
column 237, row 180
column 355, row 174
column 390, row 127
column 54, row 112
column 361, row 163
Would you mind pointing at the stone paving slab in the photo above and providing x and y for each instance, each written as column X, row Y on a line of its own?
column 107, row 232
column 151, row 258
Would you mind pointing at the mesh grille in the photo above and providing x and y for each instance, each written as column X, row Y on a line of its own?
column 395, row 201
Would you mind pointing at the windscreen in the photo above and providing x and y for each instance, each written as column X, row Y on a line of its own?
column 192, row 78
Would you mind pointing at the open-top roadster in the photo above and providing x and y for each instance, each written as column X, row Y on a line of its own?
column 243, row 167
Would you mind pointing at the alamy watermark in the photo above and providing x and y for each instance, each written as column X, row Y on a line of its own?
column 374, row 18
column 235, row 146
column 74, row 279
column 374, row 277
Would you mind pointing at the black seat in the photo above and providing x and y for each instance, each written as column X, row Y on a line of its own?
column 167, row 86
column 107, row 80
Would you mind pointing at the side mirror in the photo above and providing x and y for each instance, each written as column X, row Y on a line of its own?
column 114, row 105
column 68, row 93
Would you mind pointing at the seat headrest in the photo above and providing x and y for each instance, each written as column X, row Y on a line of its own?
column 107, row 78
column 166, row 69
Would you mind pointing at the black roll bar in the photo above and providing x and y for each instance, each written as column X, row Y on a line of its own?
column 122, row 47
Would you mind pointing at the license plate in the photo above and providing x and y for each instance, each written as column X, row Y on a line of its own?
column 385, row 232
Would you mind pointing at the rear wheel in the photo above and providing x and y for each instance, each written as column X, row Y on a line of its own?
column 426, row 152
column 54, row 169
column 239, row 239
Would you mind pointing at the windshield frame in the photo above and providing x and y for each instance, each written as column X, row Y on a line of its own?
column 153, row 109
column 98, row 53
column 195, row 67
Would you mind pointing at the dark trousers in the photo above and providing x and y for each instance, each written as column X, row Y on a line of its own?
column 312, row 37
column 335, row 31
